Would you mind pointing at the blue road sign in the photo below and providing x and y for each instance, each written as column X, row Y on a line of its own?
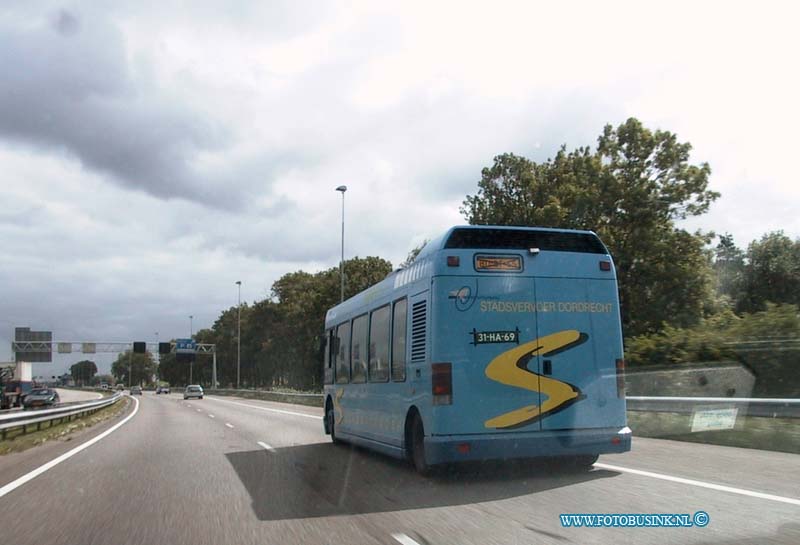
column 185, row 346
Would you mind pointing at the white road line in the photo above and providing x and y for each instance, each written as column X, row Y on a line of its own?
column 701, row 484
column 266, row 408
column 69, row 454
column 266, row 446
column 405, row 540
column 199, row 410
column 210, row 415
column 229, row 425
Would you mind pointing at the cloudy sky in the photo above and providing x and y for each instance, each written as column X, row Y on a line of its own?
column 152, row 155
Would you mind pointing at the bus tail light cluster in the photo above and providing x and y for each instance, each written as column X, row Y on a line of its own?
column 620, row 378
column 442, row 383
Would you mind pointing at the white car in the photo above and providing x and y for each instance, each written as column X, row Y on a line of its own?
column 193, row 390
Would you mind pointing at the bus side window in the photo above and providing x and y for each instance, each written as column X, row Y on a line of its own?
column 342, row 341
column 359, row 350
column 379, row 344
column 327, row 361
column 400, row 312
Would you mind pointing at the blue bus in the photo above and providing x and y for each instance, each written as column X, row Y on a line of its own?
column 495, row 343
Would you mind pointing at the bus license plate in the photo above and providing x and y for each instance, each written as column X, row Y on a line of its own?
column 488, row 337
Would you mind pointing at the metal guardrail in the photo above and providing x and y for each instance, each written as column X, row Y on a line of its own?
column 312, row 400
column 271, row 392
column 23, row 419
column 748, row 406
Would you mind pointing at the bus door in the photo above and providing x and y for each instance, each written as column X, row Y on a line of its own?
column 580, row 319
column 485, row 325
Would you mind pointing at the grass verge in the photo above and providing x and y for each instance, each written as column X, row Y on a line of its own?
column 779, row 434
column 16, row 441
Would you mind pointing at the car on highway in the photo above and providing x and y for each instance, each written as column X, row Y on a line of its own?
column 41, row 397
column 120, row 387
column 136, row 390
column 162, row 390
column 193, row 390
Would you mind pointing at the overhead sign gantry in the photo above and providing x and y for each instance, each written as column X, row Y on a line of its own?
column 37, row 347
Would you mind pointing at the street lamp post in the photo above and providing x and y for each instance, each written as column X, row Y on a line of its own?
column 191, row 361
column 342, row 189
column 239, row 335
column 158, row 359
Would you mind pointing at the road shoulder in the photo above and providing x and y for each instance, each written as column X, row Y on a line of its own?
column 16, row 464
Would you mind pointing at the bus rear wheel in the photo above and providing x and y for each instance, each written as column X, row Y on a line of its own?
column 329, row 415
column 584, row 460
column 417, row 447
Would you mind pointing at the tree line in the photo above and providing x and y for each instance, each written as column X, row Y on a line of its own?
column 633, row 188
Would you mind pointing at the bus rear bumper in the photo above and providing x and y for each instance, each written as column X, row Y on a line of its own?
column 462, row 448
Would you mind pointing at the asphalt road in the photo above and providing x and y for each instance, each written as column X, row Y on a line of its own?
column 225, row 470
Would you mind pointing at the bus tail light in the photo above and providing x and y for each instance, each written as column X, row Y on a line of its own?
column 620, row 378
column 453, row 261
column 442, row 383
column 605, row 265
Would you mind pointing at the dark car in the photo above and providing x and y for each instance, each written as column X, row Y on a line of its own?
column 41, row 397
column 136, row 390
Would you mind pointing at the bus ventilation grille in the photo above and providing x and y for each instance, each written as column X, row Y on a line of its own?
column 418, row 325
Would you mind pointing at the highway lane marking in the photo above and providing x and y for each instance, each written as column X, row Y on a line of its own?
column 404, row 539
column 266, row 408
column 210, row 415
column 199, row 410
column 229, row 425
column 266, row 446
column 67, row 455
column 701, row 484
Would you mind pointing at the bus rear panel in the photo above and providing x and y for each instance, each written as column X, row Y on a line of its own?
column 526, row 330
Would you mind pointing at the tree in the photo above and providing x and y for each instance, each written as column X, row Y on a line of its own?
column 280, row 334
column 303, row 299
column 630, row 190
column 772, row 272
column 138, row 370
column 412, row 255
column 83, row 371
column 729, row 268
column 100, row 379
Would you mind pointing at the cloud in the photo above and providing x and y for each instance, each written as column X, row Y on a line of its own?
column 68, row 86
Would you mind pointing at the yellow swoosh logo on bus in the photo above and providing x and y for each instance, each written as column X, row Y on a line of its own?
column 510, row 368
column 337, row 405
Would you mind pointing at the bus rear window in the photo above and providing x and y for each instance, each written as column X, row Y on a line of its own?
column 514, row 239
